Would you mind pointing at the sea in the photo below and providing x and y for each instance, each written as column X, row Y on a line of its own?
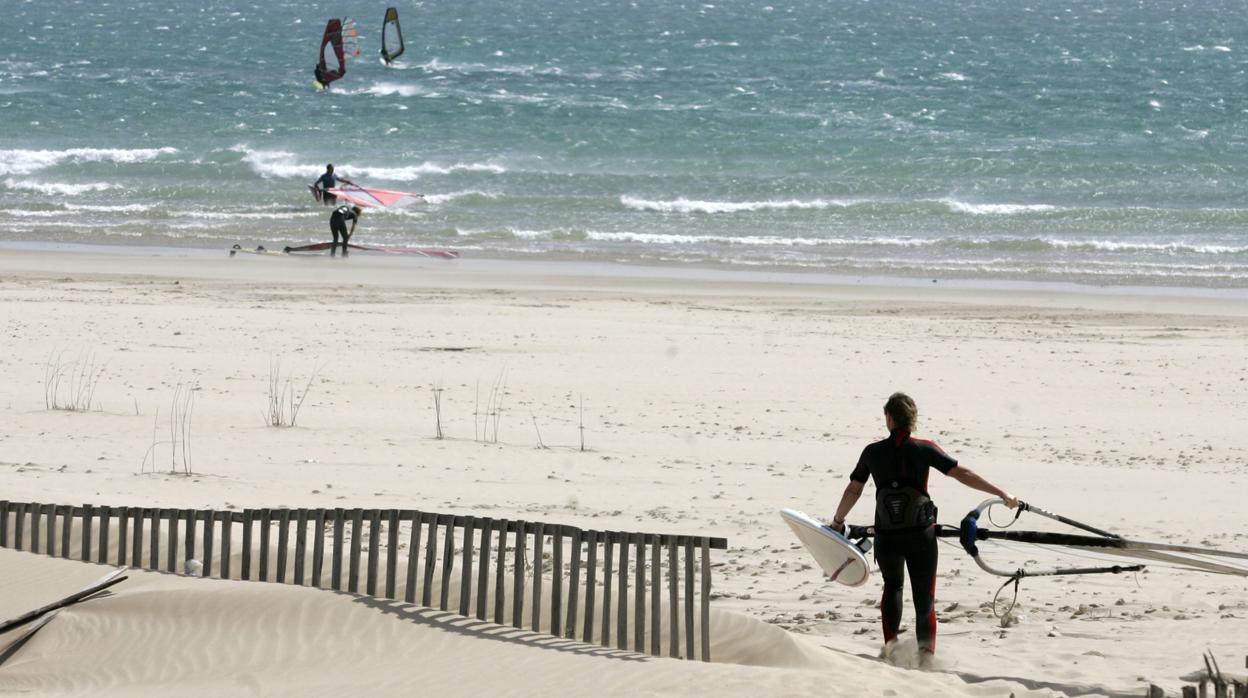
column 1100, row 142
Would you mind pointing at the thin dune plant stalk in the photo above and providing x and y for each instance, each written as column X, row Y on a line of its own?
column 285, row 400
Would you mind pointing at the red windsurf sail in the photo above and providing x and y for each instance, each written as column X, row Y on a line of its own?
column 332, row 64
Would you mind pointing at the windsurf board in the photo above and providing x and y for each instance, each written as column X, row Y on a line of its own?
column 841, row 559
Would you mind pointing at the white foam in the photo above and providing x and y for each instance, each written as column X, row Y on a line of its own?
column 22, row 162
column 282, row 164
column 995, row 209
column 57, row 188
column 683, row 205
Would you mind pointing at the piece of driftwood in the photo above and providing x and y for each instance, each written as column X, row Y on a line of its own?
column 73, row 598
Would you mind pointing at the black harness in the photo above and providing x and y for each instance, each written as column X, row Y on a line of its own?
column 902, row 504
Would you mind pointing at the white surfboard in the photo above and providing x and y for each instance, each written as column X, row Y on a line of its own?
column 839, row 557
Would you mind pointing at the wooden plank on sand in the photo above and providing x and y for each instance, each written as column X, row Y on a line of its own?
column 431, row 558
column 538, row 540
column 301, row 544
column 591, row 583
column 500, row 579
column 574, row 585
column 448, row 562
column 374, row 548
column 335, row 581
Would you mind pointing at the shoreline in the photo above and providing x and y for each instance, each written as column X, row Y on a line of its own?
column 469, row 272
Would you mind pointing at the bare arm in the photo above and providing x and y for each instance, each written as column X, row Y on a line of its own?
column 850, row 497
column 971, row 479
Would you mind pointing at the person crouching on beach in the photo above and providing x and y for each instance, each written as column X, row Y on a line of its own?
column 338, row 226
column 905, row 518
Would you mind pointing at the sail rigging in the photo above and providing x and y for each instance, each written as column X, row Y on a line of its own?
column 391, row 36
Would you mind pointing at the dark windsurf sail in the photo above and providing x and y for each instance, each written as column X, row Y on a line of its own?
column 391, row 36
column 332, row 64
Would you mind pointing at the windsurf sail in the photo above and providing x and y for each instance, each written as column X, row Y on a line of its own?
column 376, row 198
column 340, row 39
column 391, row 36
column 1116, row 553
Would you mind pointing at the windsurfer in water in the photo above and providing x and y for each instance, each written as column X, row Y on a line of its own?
column 905, row 518
column 328, row 181
column 338, row 226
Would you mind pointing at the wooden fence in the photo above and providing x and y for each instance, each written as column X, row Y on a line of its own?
column 580, row 577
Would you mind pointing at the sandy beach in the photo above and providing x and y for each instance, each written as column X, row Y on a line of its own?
column 709, row 401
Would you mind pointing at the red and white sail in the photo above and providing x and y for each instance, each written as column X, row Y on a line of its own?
column 376, row 198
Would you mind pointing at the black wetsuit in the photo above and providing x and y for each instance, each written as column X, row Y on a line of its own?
column 904, row 462
column 338, row 226
column 326, row 182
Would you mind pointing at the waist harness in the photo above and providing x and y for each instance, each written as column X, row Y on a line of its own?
column 901, row 504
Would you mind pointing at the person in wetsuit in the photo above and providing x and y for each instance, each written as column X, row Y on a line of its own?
column 905, row 517
column 338, row 226
column 328, row 181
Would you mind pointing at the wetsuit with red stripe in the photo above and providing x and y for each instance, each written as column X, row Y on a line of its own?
column 903, row 461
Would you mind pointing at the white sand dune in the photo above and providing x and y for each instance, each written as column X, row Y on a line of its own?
column 158, row 633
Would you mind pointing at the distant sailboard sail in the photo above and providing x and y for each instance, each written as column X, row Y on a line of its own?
column 376, row 198
column 391, row 36
column 340, row 39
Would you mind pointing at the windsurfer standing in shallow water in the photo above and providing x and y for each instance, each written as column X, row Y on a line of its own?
column 338, row 226
column 905, row 518
column 328, row 181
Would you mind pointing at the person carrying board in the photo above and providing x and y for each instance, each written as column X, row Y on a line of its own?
column 905, row 518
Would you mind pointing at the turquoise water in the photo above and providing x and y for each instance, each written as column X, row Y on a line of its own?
column 1101, row 142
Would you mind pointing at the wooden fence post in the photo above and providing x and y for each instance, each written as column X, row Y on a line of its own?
column 318, row 546
column 431, row 557
column 67, row 528
column 622, row 622
column 34, row 526
column 673, row 598
column 556, row 581
column 465, row 577
column 227, row 536
column 483, row 567
column 392, row 551
column 283, row 543
column 500, row 579
column 574, row 585
column 301, row 544
column 448, row 562
column 335, row 581
column 706, row 599
column 591, row 583
column 266, row 517
column 4, row 523
column 172, row 542
column 249, row 516
column 87, row 513
column 608, row 549
column 517, row 591
column 656, row 596
column 51, row 545
column 413, row 553
column 357, row 542
column 123, row 531
column 374, row 547
column 189, row 539
column 210, row 518
column 539, row 539
column 689, row 598
column 639, row 596
column 153, row 555
column 136, row 554
column 102, row 553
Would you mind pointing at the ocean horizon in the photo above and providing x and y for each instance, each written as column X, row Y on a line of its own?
column 1085, row 142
